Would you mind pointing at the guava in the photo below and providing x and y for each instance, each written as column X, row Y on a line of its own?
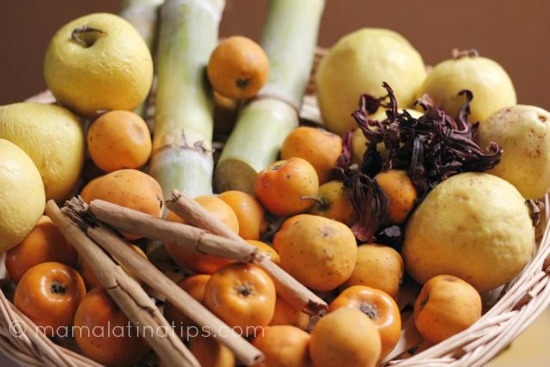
column 524, row 133
column 22, row 197
column 98, row 62
column 472, row 225
column 359, row 63
column 490, row 84
column 54, row 139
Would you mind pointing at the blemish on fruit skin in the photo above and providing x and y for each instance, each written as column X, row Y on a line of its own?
column 533, row 153
column 326, row 231
column 295, row 222
column 277, row 167
column 461, row 197
column 424, row 301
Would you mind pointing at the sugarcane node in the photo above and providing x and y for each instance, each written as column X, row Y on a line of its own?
column 280, row 99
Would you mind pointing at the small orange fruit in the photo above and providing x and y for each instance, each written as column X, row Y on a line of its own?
column 220, row 210
column 446, row 306
column 334, row 202
column 249, row 211
column 49, row 294
column 104, row 333
column 318, row 146
column 378, row 266
column 238, row 68
column 285, row 187
column 287, row 314
column 119, row 139
column 44, row 243
column 283, row 346
column 401, row 194
column 264, row 248
column 210, row 352
column 319, row 252
column 130, row 188
column 377, row 305
column 345, row 337
column 242, row 295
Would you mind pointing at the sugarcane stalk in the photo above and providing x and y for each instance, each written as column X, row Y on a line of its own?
column 289, row 40
column 182, row 144
column 143, row 15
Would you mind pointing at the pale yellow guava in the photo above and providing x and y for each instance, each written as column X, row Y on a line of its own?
column 524, row 134
column 54, row 139
column 98, row 62
column 359, row 63
column 22, row 198
column 485, row 78
column 475, row 226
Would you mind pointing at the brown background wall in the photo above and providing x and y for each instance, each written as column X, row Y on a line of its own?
column 515, row 33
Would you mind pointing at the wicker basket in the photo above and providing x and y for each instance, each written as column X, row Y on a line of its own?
column 508, row 311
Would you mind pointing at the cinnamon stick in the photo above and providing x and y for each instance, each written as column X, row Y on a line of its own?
column 193, row 238
column 153, row 277
column 127, row 294
column 289, row 288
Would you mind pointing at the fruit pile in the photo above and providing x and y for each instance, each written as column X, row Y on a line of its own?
column 413, row 199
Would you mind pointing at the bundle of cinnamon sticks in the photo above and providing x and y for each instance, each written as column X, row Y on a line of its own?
column 90, row 229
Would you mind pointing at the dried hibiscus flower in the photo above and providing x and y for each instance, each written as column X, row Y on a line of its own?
column 430, row 148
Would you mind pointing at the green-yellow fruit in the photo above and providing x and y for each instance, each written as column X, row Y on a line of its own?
column 523, row 132
column 54, row 139
column 475, row 226
column 359, row 63
column 98, row 62
column 22, row 198
column 485, row 78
